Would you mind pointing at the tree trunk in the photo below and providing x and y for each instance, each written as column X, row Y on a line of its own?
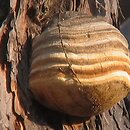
column 21, row 21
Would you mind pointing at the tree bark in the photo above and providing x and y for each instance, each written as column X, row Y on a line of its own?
column 21, row 21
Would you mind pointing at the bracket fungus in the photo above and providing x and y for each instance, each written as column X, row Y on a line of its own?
column 80, row 66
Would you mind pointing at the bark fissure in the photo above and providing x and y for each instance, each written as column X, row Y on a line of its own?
column 98, row 122
column 117, row 125
column 86, row 126
column 19, row 118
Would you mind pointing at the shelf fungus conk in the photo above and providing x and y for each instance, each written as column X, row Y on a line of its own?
column 80, row 66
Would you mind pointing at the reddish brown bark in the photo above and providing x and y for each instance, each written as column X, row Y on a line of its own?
column 18, row 110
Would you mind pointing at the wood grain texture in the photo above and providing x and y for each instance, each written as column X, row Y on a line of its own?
column 80, row 66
